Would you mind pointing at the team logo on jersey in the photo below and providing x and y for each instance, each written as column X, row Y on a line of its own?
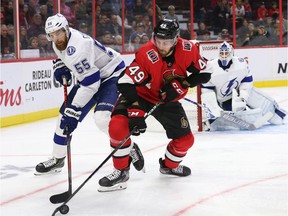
column 152, row 56
column 227, row 88
column 184, row 123
column 187, row 45
column 71, row 50
column 168, row 75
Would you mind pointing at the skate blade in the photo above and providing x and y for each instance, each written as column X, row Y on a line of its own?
column 119, row 186
column 47, row 173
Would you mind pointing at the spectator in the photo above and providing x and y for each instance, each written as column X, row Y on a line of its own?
column 140, row 31
column 248, row 9
column 202, row 29
column 274, row 10
column 139, row 8
column 148, row 28
column 103, row 25
column 50, row 7
column 115, row 27
column 117, row 43
column 262, row 12
column 186, row 34
column 252, row 32
column 224, row 35
column 262, row 38
column 171, row 14
column 33, row 43
column 81, row 11
column 44, row 12
column 221, row 15
column 107, row 38
column 36, row 27
column 24, row 17
column 83, row 28
column 145, row 39
column 239, row 10
column 7, row 45
column 206, row 36
column 242, row 31
column 9, row 13
column 67, row 11
column 23, row 38
column 135, row 44
column 2, row 15
column 45, row 46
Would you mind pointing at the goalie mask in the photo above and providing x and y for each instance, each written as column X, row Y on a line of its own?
column 55, row 23
column 225, row 53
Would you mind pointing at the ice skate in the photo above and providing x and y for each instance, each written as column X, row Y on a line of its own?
column 115, row 181
column 53, row 165
column 178, row 171
column 137, row 158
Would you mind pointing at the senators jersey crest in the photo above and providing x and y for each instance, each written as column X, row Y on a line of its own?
column 152, row 56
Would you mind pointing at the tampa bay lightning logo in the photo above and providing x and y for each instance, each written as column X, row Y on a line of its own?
column 71, row 50
column 227, row 87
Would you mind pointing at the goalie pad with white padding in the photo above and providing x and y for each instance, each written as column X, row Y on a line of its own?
column 242, row 120
column 209, row 99
column 258, row 99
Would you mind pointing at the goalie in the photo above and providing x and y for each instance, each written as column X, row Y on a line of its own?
column 231, row 101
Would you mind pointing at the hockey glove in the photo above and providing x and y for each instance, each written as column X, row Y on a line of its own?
column 136, row 119
column 174, row 90
column 70, row 118
column 238, row 102
column 61, row 70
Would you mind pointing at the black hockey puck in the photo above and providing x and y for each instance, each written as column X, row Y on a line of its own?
column 64, row 209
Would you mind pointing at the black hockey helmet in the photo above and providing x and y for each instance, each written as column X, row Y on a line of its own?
column 167, row 29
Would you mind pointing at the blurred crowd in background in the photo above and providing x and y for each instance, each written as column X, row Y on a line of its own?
column 257, row 22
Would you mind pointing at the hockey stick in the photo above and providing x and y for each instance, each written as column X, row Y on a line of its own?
column 64, row 209
column 58, row 198
column 230, row 117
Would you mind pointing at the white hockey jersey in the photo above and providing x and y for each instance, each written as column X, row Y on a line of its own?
column 222, row 81
column 90, row 62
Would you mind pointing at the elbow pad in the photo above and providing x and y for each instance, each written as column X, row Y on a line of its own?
column 129, row 92
column 196, row 79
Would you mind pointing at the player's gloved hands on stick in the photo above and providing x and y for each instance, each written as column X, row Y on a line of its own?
column 174, row 89
column 70, row 119
column 61, row 70
column 136, row 119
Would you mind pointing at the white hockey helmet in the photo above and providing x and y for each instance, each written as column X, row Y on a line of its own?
column 226, row 53
column 54, row 23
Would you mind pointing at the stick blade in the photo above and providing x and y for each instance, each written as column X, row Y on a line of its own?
column 60, row 198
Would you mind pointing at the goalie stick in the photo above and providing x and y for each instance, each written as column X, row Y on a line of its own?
column 229, row 116
column 64, row 196
column 63, row 208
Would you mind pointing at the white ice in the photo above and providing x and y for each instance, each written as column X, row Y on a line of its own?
column 234, row 173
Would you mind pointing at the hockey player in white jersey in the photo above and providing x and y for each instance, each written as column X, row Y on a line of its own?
column 230, row 92
column 96, row 69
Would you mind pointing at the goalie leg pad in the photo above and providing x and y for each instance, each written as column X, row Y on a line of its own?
column 267, row 104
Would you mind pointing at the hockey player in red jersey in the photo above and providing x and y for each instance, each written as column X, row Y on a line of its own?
column 163, row 68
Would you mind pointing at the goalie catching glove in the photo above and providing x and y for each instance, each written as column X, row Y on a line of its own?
column 70, row 119
column 137, row 119
column 174, row 90
column 61, row 70
column 238, row 102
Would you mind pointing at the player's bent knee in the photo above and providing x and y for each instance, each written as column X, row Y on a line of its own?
column 102, row 119
column 116, row 132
